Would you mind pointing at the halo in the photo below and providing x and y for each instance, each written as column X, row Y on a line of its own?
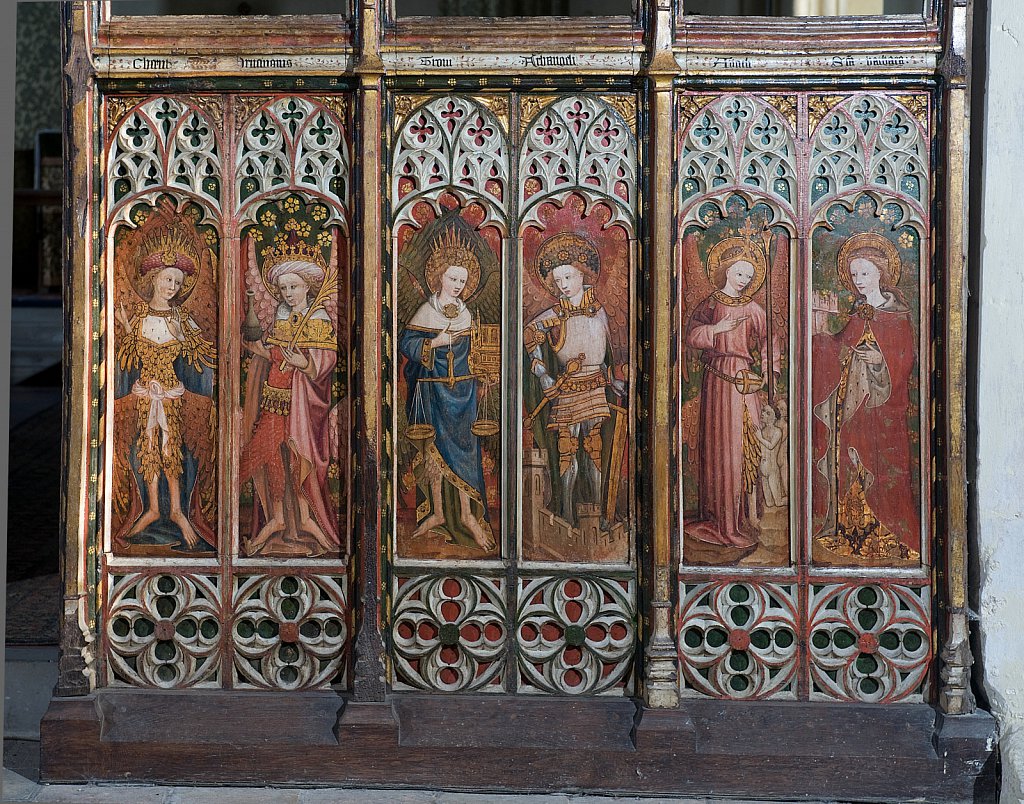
column 450, row 249
column 731, row 250
column 566, row 248
column 868, row 245
column 167, row 242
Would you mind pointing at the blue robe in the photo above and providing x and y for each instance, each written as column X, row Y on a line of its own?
column 451, row 409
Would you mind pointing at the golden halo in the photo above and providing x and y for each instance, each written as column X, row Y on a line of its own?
column 732, row 250
column 450, row 249
column 167, row 243
column 877, row 248
column 566, row 248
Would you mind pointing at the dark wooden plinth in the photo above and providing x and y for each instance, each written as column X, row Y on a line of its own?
column 762, row 750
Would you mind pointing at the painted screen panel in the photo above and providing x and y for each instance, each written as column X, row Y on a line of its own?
column 291, row 187
column 578, row 206
column 163, row 204
column 449, row 196
column 842, row 183
column 738, row 186
column 869, row 196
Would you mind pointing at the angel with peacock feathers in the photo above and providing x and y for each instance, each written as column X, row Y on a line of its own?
column 287, row 423
column 164, row 382
column 451, row 361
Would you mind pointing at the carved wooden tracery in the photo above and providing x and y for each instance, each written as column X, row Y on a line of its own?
column 518, row 253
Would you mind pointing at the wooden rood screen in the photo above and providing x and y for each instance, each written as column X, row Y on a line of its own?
column 517, row 386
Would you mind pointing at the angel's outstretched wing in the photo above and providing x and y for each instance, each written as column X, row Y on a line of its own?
column 410, row 291
column 122, row 480
column 486, row 302
column 613, row 291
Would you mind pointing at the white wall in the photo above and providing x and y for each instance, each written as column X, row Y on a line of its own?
column 999, row 501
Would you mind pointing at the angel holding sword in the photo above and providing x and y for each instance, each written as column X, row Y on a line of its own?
column 288, row 408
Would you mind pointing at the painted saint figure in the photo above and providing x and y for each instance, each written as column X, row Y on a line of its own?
column 573, row 400
column 865, row 502
column 165, row 363
column 729, row 328
column 442, row 401
column 288, row 406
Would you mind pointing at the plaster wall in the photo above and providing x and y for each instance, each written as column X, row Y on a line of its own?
column 999, row 494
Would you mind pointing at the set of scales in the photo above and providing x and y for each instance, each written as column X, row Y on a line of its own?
column 485, row 366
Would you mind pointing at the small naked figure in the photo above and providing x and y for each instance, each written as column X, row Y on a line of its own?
column 773, row 460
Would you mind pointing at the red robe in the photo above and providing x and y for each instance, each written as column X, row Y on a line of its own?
column 305, row 432
column 870, row 437
column 723, row 517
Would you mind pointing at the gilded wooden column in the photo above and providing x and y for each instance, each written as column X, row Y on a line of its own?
column 83, row 363
column 661, row 662
column 369, row 677
column 955, row 696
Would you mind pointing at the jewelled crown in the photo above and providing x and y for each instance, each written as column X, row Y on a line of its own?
column 169, row 247
column 451, row 249
column 293, row 250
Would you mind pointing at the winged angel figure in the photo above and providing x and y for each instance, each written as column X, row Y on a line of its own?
column 164, row 416
column 449, row 295
column 290, row 419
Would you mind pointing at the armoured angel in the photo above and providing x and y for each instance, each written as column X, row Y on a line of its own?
column 164, row 417
column 575, row 402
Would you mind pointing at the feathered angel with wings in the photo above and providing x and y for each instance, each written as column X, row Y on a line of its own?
column 165, row 313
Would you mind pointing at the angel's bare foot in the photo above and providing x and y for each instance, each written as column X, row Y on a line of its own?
column 191, row 537
column 481, row 534
column 268, row 530
column 428, row 524
column 310, row 526
column 144, row 521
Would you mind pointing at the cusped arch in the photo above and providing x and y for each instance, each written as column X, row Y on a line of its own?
column 294, row 144
column 163, row 145
column 578, row 144
column 454, row 145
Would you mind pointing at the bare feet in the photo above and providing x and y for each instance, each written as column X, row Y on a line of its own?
column 191, row 537
column 144, row 521
column 324, row 545
column 481, row 533
column 428, row 524
column 268, row 530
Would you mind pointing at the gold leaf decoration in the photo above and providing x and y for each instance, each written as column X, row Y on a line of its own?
column 338, row 104
column 245, row 108
column 403, row 105
column 529, row 106
column 784, row 105
column 625, row 105
column 818, row 106
column 212, row 107
column 690, row 105
column 917, row 105
column 117, row 109
column 498, row 106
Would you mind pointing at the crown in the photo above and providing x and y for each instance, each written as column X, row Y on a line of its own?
column 295, row 250
column 451, row 249
column 165, row 247
column 567, row 248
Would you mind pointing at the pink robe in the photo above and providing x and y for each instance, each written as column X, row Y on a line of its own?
column 305, row 431
column 723, row 517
